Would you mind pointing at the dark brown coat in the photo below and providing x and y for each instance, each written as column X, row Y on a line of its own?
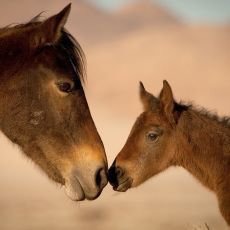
column 43, row 108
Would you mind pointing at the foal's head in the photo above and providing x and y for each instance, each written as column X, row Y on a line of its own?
column 150, row 145
column 43, row 105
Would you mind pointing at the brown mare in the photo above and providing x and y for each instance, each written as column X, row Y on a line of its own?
column 172, row 134
column 43, row 106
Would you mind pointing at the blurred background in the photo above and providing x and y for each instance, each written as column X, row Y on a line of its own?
column 186, row 42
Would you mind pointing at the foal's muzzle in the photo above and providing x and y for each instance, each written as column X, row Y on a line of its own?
column 118, row 178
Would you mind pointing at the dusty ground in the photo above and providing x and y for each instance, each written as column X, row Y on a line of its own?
column 194, row 59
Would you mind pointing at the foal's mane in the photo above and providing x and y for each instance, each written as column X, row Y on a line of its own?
column 12, row 39
column 222, row 120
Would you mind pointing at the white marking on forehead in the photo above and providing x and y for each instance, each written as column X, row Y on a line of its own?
column 36, row 117
column 34, row 122
column 38, row 113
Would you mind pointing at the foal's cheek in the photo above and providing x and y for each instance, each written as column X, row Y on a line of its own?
column 139, row 169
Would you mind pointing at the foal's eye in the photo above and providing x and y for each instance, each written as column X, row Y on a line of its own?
column 65, row 87
column 152, row 136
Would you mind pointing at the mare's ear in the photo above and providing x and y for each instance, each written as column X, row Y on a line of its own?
column 50, row 30
column 167, row 102
column 148, row 100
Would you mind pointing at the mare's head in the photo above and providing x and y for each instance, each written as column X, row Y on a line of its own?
column 43, row 105
column 150, row 146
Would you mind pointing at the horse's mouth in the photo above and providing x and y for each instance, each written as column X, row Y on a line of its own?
column 95, row 196
column 75, row 191
column 124, row 186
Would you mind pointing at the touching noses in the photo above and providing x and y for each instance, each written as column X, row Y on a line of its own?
column 115, row 173
column 118, row 178
column 101, row 178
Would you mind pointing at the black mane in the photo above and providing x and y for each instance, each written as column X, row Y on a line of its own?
column 75, row 53
column 212, row 115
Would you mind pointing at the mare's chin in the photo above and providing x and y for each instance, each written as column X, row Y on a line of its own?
column 74, row 191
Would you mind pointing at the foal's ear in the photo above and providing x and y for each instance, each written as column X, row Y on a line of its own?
column 167, row 101
column 148, row 100
column 50, row 30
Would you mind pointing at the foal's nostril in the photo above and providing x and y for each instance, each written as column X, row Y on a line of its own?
column 115, row 173
column 112, row 175
column 119, row 172
column 101, row 178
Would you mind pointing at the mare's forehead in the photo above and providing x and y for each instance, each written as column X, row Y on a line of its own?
column 19, row 31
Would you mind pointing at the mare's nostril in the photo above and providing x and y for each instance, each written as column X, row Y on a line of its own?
column 101, row 178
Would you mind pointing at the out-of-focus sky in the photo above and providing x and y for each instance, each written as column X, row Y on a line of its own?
column 215, row 11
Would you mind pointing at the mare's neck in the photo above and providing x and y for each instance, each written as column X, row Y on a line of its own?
column 204, row 147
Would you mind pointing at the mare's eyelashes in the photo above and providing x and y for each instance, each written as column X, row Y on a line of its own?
column 65, row 87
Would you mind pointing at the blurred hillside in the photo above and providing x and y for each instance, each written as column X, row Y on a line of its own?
column 93, row 24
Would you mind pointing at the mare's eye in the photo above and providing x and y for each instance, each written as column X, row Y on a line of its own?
column 65, row 87
column 152, row 136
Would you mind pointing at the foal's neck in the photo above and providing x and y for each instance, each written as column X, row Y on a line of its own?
column 204, row 147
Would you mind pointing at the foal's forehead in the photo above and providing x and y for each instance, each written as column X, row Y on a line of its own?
column 149, row 118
